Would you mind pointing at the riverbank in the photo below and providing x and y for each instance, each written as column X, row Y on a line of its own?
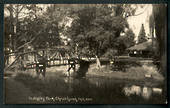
column 144, row 72
column 102, row 82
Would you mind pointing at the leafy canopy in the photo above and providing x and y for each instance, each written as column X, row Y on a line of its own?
column 96, row 29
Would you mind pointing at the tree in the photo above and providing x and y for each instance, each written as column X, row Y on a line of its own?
column 11, row 31
column 18, row 13
column 32, row 27
column 125, row 41
column 160, row 25
column 7, row 40
column 151, row 25
column 14, row 13
column 142, row 35
column 129, row 38
column 96, row 30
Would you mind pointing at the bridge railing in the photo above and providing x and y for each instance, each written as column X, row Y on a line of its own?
column 50, row 63
column 64, row 61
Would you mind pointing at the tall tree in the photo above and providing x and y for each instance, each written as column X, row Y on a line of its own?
column 14, row 11
column 142, row 35
column 160, row 25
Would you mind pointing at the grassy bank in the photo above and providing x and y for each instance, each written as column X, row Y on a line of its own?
column 138, row 73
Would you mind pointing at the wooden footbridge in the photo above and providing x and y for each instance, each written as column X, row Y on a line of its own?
column 44, row 58
column 51, row 63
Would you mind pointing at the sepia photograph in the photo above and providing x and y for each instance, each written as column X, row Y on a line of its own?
column 85, row 54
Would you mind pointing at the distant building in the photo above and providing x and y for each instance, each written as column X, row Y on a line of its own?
column 144, row 49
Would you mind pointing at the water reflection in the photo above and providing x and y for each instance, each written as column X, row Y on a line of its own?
column 69, row 81
column 157, row 90
column 145, row 92
column 132, row 90
column 109, row 90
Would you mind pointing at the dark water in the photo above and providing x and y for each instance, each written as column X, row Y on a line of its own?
column 110, row 91
column 58, row 89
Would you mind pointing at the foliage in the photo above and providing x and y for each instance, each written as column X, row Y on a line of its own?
column 96, row 29
column 125, row 41
column 129, row 40
column 41, row 29
column 142, row 35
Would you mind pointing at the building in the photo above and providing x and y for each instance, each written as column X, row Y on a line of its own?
column 144, row 50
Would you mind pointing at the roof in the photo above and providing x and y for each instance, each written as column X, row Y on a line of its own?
column 142, row 46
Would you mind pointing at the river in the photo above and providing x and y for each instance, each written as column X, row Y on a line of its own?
column 97, row 90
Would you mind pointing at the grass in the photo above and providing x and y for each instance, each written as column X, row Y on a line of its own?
column 131, row 73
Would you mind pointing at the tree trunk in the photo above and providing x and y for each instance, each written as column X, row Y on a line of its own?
column 160, row 18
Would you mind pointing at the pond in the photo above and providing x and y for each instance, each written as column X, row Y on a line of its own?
column 58, row 89
column 99, row 90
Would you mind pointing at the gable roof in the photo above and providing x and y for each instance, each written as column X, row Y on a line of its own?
column 142, row 46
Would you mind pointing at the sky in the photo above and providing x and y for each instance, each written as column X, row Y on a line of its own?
column 135, row 22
